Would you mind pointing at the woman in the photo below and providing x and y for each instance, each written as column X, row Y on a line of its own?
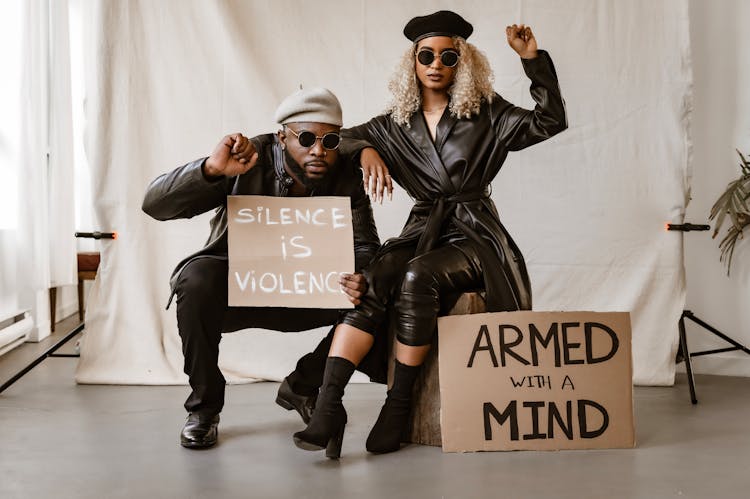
column 445, row 137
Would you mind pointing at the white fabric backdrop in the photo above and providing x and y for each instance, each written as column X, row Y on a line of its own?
column 587, row 208
column 37, row 242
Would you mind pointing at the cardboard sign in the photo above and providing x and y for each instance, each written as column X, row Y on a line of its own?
column 536, row 380
column 289, row 252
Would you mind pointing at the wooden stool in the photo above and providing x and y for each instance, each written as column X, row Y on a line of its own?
column 425, row 417
column 88, row 264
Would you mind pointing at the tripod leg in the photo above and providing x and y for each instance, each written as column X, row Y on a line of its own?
column 686, row 357
column 738, row 346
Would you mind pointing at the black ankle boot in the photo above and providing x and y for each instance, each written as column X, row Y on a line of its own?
column 304, row 404
column 326, row 427
column 299, row 390
column 389, row 429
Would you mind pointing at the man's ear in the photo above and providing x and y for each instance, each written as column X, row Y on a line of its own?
column 282, row 138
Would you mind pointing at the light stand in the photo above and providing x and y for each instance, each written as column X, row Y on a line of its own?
column 684, row 354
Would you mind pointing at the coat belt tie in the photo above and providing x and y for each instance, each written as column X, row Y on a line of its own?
column 438, row 211
column 500, row 295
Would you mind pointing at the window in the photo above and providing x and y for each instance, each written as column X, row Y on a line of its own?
column 10, row 114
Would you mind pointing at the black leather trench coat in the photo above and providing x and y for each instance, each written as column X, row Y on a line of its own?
column 449, row 179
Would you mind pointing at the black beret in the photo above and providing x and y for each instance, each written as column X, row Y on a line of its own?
column 441, row 23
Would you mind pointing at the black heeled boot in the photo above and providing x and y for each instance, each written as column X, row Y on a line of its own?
column 299, row 390
column 388, row 432
column 326, row 427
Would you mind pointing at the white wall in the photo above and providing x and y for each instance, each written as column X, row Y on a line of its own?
column 720, row 38
column 67, row 301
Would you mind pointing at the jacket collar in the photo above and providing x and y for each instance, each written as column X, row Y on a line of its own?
column 284, row 181
column 420, row 134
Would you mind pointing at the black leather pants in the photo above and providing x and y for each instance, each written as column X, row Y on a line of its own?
column 416, row 288
column 203, row 315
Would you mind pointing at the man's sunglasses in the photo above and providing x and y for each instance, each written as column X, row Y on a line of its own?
column 449, row 58
column 306, row 138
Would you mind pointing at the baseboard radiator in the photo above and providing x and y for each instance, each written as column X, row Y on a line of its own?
column 14, row 329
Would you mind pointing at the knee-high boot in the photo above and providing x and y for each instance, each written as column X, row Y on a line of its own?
column 326, row 427
column 386, row 435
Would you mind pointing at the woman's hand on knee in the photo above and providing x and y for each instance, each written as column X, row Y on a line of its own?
column 354, row 285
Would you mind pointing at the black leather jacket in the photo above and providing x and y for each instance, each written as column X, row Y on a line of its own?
column 450, row 177
column 185, row 192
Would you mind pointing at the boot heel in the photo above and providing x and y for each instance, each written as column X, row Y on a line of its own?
column 283, row 403
column 333, row 449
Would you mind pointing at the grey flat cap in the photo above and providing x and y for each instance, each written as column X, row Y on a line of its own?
column 314, row 105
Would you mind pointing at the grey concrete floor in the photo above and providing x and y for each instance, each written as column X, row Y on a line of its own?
column 62, row 440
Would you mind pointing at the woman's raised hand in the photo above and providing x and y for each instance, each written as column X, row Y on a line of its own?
column 522, row 40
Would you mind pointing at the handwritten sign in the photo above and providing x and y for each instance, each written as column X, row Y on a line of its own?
column 289, row 252
column 536, row 380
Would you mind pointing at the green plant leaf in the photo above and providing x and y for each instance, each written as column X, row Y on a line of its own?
column 734, row 203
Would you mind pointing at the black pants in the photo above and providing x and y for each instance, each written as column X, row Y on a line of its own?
column 203, row 315
column 417, row 287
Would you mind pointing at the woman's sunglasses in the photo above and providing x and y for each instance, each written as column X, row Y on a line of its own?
column 306, row 138
column 449, row 58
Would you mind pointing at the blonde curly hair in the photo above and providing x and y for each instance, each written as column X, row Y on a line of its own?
column 472, row 83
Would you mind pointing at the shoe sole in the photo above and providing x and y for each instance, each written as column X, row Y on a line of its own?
column 283, row 403
column 192, row 444
column 332, row 447
column 383, row 451
column 196, row 445
column 302, row 444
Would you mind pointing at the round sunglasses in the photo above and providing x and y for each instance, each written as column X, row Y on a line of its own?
column 449, row 58
column 306, row 138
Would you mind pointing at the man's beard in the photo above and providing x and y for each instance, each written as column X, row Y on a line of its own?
column 309, row 183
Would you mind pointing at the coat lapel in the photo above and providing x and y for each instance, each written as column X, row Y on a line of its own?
column 421, row 136
column 444, row 127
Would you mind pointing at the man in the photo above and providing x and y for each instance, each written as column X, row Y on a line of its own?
column 301, row 159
